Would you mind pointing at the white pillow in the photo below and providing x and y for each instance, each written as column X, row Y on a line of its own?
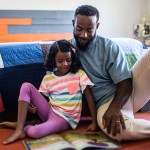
column 133, row 49
column 129, row 43
column 1, row 62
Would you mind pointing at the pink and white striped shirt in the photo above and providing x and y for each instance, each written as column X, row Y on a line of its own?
column 65, row 94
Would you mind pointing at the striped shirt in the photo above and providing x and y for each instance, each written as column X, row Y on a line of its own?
column 65, row 94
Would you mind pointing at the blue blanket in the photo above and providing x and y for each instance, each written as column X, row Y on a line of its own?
column 14, row 54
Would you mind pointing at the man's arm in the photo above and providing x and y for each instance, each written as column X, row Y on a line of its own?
column 112, row 118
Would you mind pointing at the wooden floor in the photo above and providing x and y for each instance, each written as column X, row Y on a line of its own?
column 132, row 145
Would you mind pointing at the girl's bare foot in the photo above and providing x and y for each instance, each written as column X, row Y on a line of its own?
column 7, row 124
column 18, row 134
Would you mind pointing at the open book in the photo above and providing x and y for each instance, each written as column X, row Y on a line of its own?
column 70, row 141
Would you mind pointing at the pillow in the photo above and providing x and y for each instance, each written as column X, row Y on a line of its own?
column 1, row 62
column 132, row 48
column 127, row 43
column 45, row 50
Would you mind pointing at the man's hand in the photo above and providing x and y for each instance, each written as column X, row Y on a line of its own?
column 32, row 109
column 113, row 121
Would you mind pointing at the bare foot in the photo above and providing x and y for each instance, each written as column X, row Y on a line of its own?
column 7, row 124
column 18, row 134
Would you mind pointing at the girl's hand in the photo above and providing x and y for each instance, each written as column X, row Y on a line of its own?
column 92, row 127
column 32, row 109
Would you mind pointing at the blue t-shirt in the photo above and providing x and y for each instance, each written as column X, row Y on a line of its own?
column 106, row 65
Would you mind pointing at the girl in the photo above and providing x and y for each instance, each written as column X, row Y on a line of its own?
column 63, row 85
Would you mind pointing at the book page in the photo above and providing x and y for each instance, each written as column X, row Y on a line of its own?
column 89, row 141
column 50, row 142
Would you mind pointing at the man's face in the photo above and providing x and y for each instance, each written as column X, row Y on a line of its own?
column 84, row 29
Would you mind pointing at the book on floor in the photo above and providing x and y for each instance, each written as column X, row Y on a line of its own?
column 70, row 141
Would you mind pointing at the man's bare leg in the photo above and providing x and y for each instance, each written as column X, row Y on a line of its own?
column 22, row 114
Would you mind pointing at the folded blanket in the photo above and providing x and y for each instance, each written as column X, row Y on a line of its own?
column 14, row 54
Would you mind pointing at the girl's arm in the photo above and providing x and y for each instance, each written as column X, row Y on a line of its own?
column 92, row 107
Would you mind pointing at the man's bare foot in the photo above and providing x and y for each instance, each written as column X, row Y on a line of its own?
column 18, row 134
column 7, row 124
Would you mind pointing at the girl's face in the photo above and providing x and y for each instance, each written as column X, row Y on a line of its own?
column 63, row 63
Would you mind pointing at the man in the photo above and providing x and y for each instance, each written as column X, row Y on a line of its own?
column 106, row 65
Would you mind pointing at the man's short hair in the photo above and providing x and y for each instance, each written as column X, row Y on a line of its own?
column 87, row 10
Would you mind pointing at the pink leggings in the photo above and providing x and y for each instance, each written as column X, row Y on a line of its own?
column 52, row 123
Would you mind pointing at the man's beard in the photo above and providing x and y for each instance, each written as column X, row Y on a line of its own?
column 83, row 47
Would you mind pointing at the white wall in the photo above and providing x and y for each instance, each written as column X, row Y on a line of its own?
column 44, row 4
column 117, row 17
column 148, row 10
